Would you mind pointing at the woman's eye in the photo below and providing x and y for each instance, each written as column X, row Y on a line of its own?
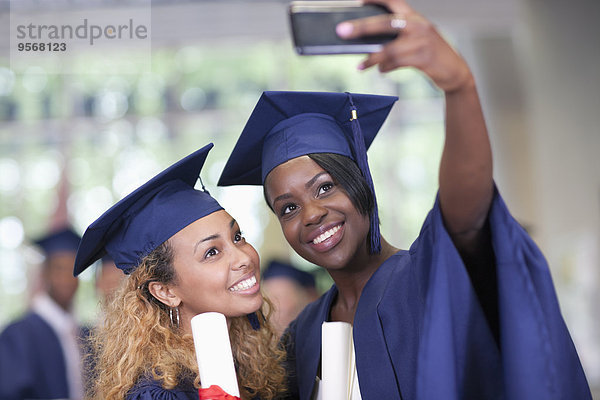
column 325, row 188
column 211, row 253
column 238, row 237
column 288, row 209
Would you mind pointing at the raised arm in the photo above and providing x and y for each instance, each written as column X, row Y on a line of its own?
column 465, row 176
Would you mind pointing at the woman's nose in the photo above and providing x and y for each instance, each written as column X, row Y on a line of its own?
column 240, row 259
column 313, row 213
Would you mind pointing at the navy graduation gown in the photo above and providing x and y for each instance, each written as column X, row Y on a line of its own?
column 420, row 332
column 149, row 389
column 32, row 365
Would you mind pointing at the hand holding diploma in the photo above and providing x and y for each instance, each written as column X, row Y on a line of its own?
column 215, row 361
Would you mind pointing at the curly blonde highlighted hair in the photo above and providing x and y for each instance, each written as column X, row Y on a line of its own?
column 137, row 339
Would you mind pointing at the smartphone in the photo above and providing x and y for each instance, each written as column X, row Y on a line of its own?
column 313, row 27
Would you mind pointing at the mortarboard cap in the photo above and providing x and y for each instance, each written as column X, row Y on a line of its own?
column 286, row 125
column 280, row 269
column 65, row 239
column 147, row 217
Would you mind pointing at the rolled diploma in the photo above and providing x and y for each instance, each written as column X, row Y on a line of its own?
column 213, row 352
column 337, row 357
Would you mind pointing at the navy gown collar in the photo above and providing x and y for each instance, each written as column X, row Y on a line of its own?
column 368, row 334
column 373, row 365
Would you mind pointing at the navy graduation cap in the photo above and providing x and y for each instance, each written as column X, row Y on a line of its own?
column 286, row 125
column 65, row 239
column 147, row 217
column 280, row 269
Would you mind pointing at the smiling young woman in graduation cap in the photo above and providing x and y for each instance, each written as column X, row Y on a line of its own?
column 184, row 255
column 469, row 311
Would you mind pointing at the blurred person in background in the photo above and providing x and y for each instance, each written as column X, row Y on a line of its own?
column 40, row 354
column 108, row 278
column 290, row 289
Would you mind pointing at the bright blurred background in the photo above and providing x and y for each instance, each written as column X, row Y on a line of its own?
column 80, row 131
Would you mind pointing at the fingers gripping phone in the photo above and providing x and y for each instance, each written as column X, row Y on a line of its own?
column 313, row 27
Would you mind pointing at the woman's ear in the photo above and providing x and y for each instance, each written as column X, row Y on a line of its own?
column 164, row 294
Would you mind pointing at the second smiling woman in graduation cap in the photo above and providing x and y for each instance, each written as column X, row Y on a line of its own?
column 184, row 255
column 469, row 311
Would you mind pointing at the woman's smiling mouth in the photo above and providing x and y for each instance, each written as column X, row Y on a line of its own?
column 327, row 234
column 328, row 239
column 244, row 285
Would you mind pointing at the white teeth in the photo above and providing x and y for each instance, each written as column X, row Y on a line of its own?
column 245, row 284
column 326, row 235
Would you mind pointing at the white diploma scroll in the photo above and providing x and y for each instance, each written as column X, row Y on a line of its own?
column 213, row 352
column 338, row 362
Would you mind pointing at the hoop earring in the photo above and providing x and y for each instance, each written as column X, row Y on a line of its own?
column 175, row 317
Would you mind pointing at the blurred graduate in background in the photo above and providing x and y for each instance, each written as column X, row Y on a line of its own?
column 108, row 278
column 40, row 354
column 290, row 289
